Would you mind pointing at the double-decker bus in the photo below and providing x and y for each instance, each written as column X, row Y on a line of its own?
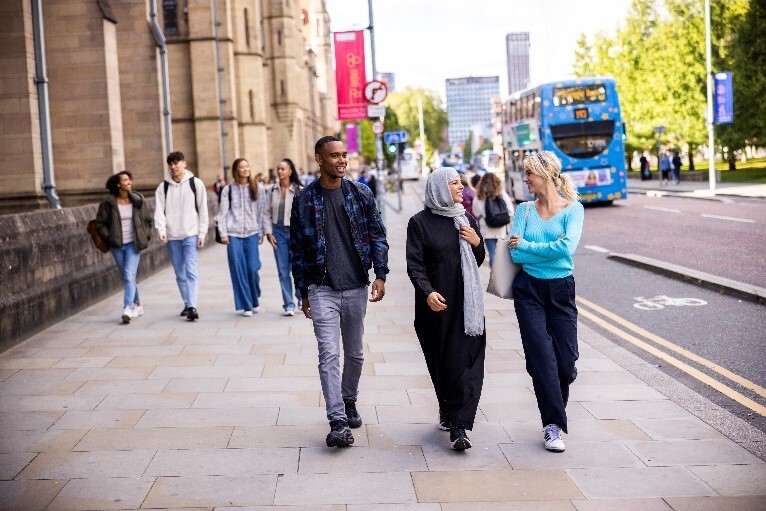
column 580, row 121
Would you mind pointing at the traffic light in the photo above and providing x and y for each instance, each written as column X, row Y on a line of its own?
column 392, row 148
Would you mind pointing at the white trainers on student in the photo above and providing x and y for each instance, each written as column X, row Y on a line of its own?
column 553, row 441
column 258, row 309
column 138, row 310
column 289, row 312
column 127, row 315
column 247, row 314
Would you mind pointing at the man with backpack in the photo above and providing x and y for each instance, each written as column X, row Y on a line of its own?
column 181, row 220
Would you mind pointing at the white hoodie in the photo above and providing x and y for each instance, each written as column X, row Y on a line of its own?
column 175, row 215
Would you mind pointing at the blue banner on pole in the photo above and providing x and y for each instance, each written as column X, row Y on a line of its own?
column 723, row 98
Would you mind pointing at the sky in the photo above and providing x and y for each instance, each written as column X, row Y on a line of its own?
column 424, row 42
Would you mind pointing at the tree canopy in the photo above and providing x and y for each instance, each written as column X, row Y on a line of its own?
column 658, row 60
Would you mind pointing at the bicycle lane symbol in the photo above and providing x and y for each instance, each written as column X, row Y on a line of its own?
column 662, row 301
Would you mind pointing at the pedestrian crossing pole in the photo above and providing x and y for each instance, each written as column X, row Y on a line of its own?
column 380, row 182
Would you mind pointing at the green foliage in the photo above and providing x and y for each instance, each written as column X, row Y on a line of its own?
column 404, row 104
column 468, row 149
column 658, row 60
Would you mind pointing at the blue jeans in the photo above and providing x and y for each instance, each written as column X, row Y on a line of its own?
column 284, row 264
column 183, row 256
column 244, row 265
column 338, row 315
column 127, row 259
column 491, row 244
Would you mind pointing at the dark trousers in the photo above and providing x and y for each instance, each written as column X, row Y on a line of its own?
column 547, row 315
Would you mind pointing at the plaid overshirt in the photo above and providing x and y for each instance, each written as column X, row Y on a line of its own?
column 307, row 239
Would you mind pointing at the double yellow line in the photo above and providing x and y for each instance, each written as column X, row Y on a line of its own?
column 594, row 313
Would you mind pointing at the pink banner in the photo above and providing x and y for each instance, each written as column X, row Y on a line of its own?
column 350, row 75
column 352, row 138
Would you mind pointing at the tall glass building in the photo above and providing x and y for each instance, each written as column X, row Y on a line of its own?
column 517, row 48
column 469, row 104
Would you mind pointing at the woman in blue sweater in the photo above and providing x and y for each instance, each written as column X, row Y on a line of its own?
column 544, row 240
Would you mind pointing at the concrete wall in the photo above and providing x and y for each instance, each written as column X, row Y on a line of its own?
column 50, row 269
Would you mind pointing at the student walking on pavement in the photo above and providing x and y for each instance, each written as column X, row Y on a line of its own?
column 336, row 236
column 489, row 189
column 444, row 251
column 276, row 223
column 544, row 289
column 241, row 225
column 123, row 220
column 181, row 220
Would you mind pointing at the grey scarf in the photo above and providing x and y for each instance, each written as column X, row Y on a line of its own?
column 439, row 200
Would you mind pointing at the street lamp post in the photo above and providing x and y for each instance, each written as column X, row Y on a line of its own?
column 710, row 128
column 381, row 178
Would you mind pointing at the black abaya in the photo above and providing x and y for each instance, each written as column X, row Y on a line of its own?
column 455, row 360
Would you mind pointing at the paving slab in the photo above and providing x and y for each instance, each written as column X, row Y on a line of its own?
column 86, row 465
column 320, row 460
column 102, row 494
column 749, row 503
column 26, row 495
column 734, row 479
column 692, row 452
column 223, row 462
column 211, row 491
column 154, row 438
column 352, row 488
column 494, row 485
column 638, row 483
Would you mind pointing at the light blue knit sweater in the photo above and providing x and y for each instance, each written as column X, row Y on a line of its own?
column 544, row 253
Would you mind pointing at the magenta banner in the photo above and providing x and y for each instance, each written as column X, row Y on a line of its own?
column 350, row 76
column 352, row 138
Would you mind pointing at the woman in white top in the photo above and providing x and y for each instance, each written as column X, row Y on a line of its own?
column 276, row 220
column 490, row 188
column 240, row 221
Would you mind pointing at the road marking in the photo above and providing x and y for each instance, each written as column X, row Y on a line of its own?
column 596, row 248
column 732, row 218
column 673, row 347
column 667, row 210
column 659, row 302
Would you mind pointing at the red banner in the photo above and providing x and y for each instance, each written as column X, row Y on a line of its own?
column 350, row 75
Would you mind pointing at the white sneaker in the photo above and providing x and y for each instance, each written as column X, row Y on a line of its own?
column 247, row 314
column 138, row 310
column 257, row 309
column 289, row 312
column 553, row 441
column 127, row 315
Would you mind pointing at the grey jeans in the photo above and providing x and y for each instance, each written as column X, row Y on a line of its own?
column 338, row 315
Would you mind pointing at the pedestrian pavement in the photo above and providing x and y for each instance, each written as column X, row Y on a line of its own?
column 226, row 413
column 697, row 189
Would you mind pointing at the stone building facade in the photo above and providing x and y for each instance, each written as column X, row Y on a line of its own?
column 275, row 91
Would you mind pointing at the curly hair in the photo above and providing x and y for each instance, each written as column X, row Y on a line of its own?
column 113, row 182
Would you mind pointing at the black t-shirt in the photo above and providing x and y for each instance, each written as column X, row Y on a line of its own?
column 344, row 267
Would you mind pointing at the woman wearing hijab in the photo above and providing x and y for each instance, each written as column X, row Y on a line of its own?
column 544, row 241
column 444, row 252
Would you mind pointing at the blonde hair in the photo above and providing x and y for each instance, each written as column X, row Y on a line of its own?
column 489, row 187
column 547, row 165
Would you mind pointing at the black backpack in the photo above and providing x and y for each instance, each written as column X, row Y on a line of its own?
column 496, row 212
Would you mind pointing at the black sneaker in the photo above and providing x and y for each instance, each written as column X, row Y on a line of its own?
column 185, row 312
column 459, row 439
column 339, row 435
column 444, row 424
column 354, row 419
column 192, row 314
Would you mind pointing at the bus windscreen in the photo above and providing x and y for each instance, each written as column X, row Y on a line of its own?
column 583, row 140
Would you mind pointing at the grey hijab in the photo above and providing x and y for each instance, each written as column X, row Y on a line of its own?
column 439, row 200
